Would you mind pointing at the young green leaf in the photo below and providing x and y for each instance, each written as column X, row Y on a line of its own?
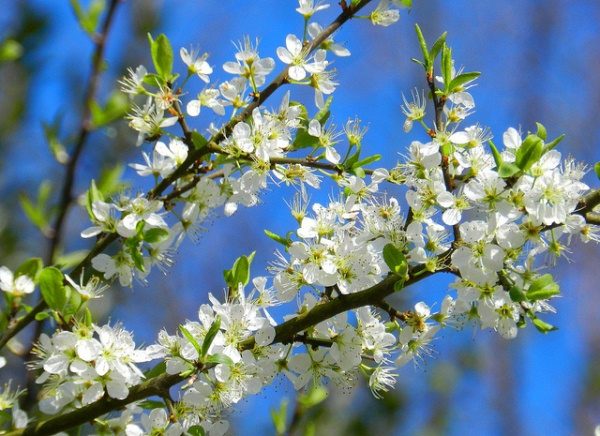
column 156, row 235
column 543, row 326
column 496, row 154
column 543, row 288
column 279, row 417
column 541, row 131
column 529, row 152
column 185, row 332
column 424, row 50
column 210, row 336
column 31, row 267
column 457, row 83
column 552, row 144
column 93, row 194
column 274, row 236
column 54, row 293
column 316, row 395
column 395, row 260
column 162, row 56
column 196, row 430
column 198, row 140
column 597, row 169
column 508, row 169
column 447, row 66
column 437, row 46
column 215, row 359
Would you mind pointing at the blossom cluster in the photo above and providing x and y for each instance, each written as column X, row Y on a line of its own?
column 492, row 218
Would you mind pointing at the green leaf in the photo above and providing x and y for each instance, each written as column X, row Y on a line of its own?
column 40, row 316
column 93, row 195
column 156, row 370
column 496, row 154
column 162, row 56
column 210, row 336
column 437, row 46
column 316, row 395
column 508, row 169
column 151, row 404
column 53, row 291
column 71, row 259
column 541, row 131
column 543, row 288
column 240, row 272
column 73, row 305
column 279, row 417
column 10, row 50
column 549, row 146
column 110, row 182
column 395, row 260
column 446, row 65
column 31, row 268
column 215, row 359
column 516, row 294
column 462, row 79
column 198, row 140
column 156, row 235
column 38, row 213
column 304, row 140
column 196, row 430
column 542, row 326
column 88, row 20
column 115, row 108
column 56, row 146
column 323, row 115
column 529, row 152
column 185, row 332
column 597, row 169
column 424, row 50
column 274, row 236
column 367, row 161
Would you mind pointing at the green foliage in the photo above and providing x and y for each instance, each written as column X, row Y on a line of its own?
column 279, row 417
column 543, row 326
column 239, row 273
column 543, row 288
column 10, row 50
column 210, row 336
column 303, row 139
column 54, row 293
column 397, row 263
column 56, row 146
column 156, row 235
column 315, row 396
column 109, row 181
column 185, row 332
column 196, row 430
column 115, row 108
column 162, row 56
column 198, row 140
column 31, row 267
column 38, row 212
column 93, row 194
column 529, row 152
column 88, row 19
column 274, row 236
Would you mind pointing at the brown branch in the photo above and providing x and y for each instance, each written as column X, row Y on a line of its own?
column 286, row 332
column 66, row 196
